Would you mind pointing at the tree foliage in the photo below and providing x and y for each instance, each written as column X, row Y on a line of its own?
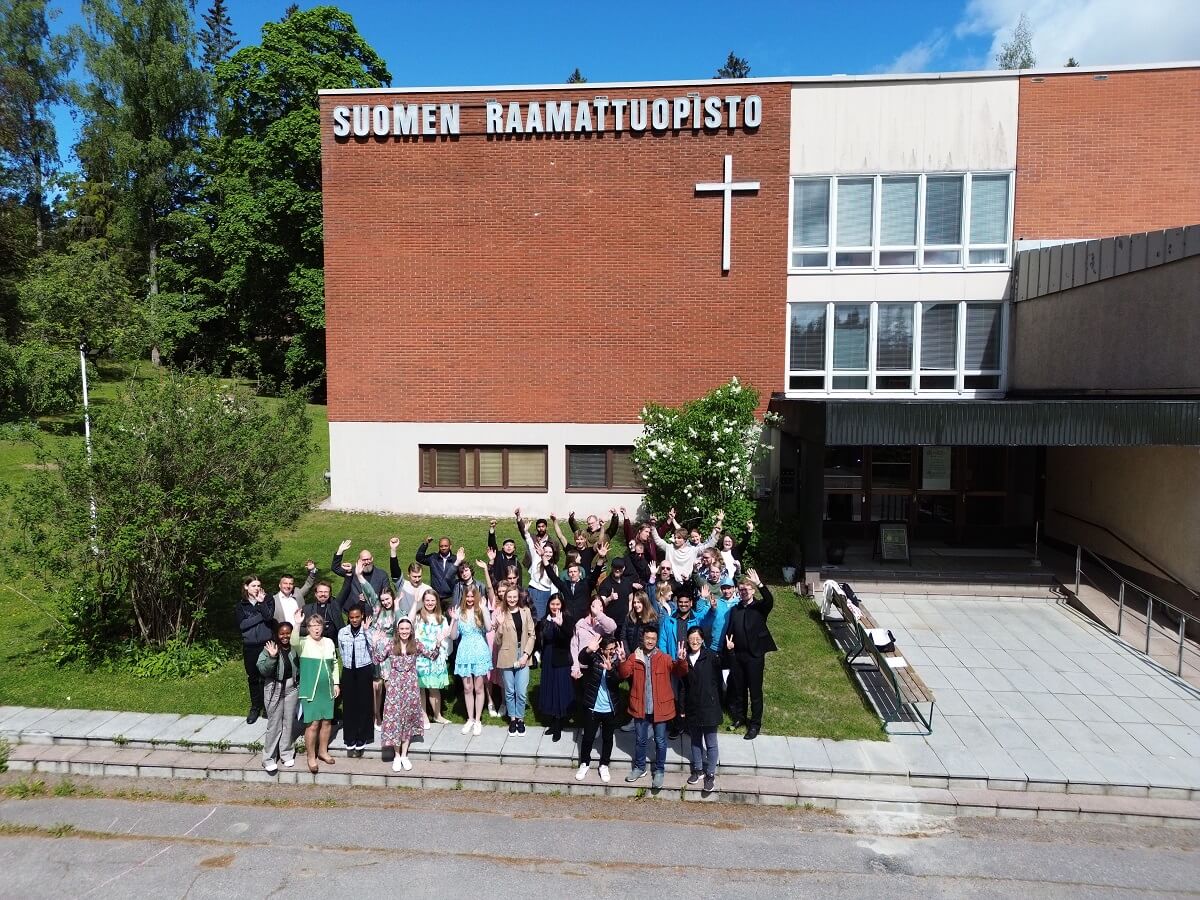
column 258, row 237
column 1017, row 53
column 735, row 67
column 577, row 77
column 191, row 479
column 34, row 65
column 216, row 37
column 699, row 457
column 145, row 107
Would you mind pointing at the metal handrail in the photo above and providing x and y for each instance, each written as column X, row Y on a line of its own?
column 1123, row 582
column 1128, row 546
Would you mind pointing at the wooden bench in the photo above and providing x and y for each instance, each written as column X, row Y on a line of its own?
column 910, row 691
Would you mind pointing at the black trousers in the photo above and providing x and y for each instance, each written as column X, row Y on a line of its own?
column 593, row 721
column 254, row 679
column 746, row 676
column 358, row 700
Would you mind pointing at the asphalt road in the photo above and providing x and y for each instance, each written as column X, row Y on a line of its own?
column 220, row 841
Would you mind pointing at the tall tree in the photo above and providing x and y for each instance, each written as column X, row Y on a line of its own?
column 1072, row 63
column 216, row 37
column 576, row 77
column 1017, row 53
column 34, row 67
column 260, row 229
column 145, row 108
column 735, row 67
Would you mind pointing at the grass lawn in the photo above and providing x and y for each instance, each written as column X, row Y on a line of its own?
column 807, row 690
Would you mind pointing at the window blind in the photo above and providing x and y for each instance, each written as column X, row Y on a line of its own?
column 585, row 468
column 898, row 225
column 808, row 336
column 943, row 209
column 983, row 336
column 855, row 210
column 851, row 329
column 447, row 468
column 894, row 341
column 810, row 213
column 989, row 209
column 939, row 336
column 491, row 468
column 527, row 468
column 624, row 473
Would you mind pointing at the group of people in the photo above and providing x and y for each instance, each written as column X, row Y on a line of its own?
column 675, row 615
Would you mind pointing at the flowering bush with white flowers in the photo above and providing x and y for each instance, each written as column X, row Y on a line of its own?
column 699, row 457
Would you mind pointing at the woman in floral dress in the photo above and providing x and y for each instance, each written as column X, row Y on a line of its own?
column 474, row 660
column 432, row 675
column 381, row 628
column 402, row 713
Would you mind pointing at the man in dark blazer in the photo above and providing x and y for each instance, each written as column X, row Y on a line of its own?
column 748, row 641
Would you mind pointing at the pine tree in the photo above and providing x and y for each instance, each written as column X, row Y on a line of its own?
column 1072, row 63
column 216, row 37
column 576, row 77
column 1018, row 52
column 34, row 67
column 735, row 67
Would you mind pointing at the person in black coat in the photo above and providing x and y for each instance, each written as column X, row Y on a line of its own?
column 256, row 620
column 699, row 672
column 351, row 592
column 747, row 642
column 556, row 695
column 576, row 590
column 598, row 698
column 443, row 567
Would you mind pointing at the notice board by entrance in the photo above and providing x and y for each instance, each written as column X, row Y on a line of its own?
column 891, row 542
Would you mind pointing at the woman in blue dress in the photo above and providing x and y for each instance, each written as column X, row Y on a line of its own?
column 474, row 659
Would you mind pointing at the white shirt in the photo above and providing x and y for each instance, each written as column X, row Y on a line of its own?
column 412, row 594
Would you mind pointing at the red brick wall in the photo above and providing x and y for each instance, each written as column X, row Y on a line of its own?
column 1103, row 158
column 562, row 278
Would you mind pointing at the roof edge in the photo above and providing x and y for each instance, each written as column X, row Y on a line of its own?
column 781, row 79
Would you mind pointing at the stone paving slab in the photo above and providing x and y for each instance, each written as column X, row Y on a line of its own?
column 183, row 728
column 25, row 719
column 117, row 726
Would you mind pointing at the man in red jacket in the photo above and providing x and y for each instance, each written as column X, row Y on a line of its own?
column 651, row 703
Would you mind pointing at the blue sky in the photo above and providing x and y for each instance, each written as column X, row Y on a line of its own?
column 524, row 42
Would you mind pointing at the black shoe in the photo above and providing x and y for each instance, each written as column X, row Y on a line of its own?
column 694, row 777
column 520, row 726
column 556, row 735
column 388, row 754
column 751, row 733
column 736, row 722
column 252, row 716
column 512, row 726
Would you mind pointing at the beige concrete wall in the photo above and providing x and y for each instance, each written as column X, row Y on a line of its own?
column 1148, row 495
column 1136, row 333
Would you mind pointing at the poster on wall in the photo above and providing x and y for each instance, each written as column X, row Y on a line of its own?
column 935, row 469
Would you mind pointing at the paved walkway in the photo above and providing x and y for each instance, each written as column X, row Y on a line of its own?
column 1031, row 689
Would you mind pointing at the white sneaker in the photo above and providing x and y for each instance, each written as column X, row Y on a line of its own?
column 407, row 765
column 604, row 774
column 629, row 726
column 270, row 766
column 289, row 763
column 397, row 764
column 492, row 712
column 466, row 729
column 478, row 728
column 582, row 773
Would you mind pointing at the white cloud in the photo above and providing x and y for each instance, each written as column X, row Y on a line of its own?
column 1095, row 32
column 919, row 57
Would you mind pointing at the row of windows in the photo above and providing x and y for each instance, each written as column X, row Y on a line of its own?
column 895, row 346
column 888, row 221
column 445, row 468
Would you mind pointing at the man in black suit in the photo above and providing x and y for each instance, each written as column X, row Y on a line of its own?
column 747, row 642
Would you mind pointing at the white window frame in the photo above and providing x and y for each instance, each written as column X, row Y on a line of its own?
column 914, row 373
column 831, row 249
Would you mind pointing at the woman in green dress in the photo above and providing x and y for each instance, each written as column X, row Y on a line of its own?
column 320, row 674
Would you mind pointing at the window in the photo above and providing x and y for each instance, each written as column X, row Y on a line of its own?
column 895, row 346
column 446, row 468
column 810, row 223
column 884, row 221
column 602, row 469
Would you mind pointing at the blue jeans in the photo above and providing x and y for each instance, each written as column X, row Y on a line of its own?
column 540, row 600
column 516, row 686
column 641, row 732
column 705, row 755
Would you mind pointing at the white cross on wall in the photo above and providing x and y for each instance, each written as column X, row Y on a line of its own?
column 726, row 187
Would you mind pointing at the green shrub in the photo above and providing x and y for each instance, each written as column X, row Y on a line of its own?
column 178, row 658
column 37, row 379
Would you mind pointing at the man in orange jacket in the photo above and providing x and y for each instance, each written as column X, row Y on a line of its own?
column 651, row 703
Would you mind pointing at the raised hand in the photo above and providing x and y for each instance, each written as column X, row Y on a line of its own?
column 632, row 545
column 492, row 525
column 460, row 556
column 620, row 651
column 729, row 642
column 517, row 512
column 454, row 613
column 671, row 514
column 596, row 608
column 612, row 511
column 310, row 565
column 491, row 554
column 602, row 548
column 429, row 540
column 750, row 526
column 272, row 649
column 394, row 544
column 345, row 545
column 358, row 569
column 594, row 644
column 753, row 576
column 481, row 564
column 553, row 517
column 705, row 592
column 624, row 514
column 654, row 571
column 681, row 653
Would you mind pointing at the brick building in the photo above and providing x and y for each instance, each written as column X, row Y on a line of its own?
column 512, row 272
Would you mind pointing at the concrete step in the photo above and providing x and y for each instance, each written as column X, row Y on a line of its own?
column 831, row 794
